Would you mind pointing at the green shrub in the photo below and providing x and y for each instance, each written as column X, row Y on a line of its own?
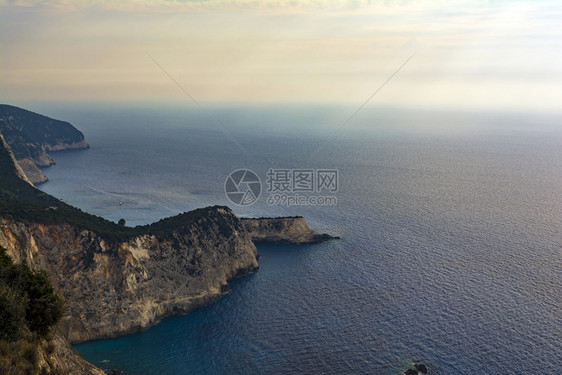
column 44, row 307
column 5, row 259
column 26, row 298
column 11, row 314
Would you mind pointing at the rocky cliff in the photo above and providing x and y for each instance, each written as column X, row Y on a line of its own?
column 63, row 359
column 290, row 230
column 116, row 287
column 10, row 168
column 33, row 173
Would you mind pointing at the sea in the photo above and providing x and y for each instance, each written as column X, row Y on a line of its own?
column 450, row 226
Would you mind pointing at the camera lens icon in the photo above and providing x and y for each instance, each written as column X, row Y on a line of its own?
column 242, row 187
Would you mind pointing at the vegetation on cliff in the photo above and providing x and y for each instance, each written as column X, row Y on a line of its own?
column 29, row 307
column 28, row 301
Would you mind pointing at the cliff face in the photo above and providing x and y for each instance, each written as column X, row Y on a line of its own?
column 290, row 230
column 54, row 355
column 115, row 288
column 62, row 144
column 64, row 359
column 10, row 166
column 33, row 173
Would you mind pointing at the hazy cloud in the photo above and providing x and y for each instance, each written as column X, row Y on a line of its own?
column 469, row 53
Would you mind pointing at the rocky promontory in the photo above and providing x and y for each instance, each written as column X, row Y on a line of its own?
column 282, row 230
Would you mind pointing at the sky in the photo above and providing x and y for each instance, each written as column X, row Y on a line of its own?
column 503, row 55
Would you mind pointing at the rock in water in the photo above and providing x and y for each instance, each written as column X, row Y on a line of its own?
column 421, row 368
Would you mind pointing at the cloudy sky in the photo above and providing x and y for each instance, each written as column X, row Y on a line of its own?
column 468, row 54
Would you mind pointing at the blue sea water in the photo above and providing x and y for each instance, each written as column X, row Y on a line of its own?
column 450, row 251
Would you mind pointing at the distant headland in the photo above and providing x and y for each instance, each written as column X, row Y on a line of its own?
column 31, row 135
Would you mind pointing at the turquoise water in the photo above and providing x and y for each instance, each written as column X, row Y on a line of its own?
column 450, row 254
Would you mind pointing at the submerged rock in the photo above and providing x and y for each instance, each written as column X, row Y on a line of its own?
column 421, row 368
